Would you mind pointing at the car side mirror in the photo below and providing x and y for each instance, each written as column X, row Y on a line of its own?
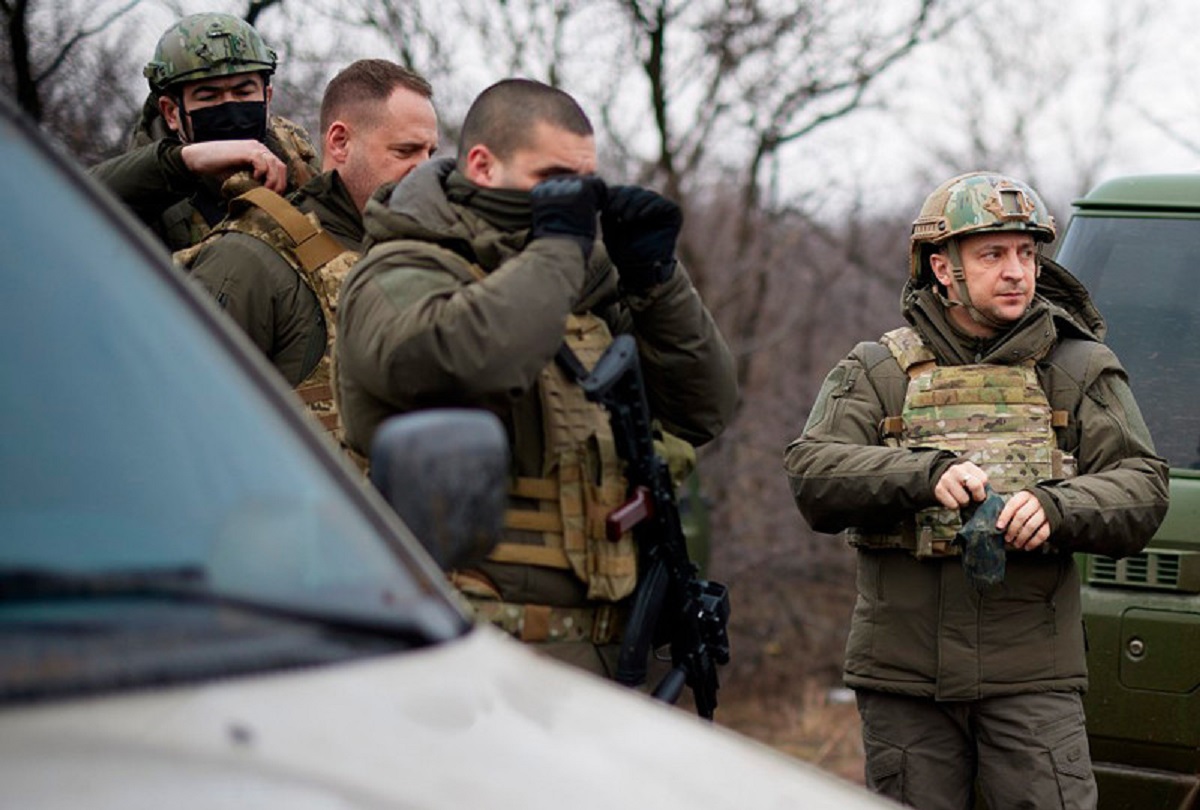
column 445, row 472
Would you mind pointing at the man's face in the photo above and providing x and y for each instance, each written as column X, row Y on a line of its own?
column 404, row 136
column 209, row 93
column 1001, row 273
column 551, row 152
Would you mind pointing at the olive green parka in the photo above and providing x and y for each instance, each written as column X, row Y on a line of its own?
column 918, row 627
column 417, row 330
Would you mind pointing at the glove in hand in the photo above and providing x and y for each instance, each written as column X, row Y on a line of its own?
column 640, row 230
column 981, row 542
column 567, row 206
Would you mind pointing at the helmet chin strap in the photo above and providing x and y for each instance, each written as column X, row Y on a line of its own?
column 960, row 284
column 185, row 124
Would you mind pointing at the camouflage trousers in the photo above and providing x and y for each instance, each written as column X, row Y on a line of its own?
column 1017, row 751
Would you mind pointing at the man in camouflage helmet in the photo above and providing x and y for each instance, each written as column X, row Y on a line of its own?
column 486, row 285
column 379, row 124
column 207, row 117
column 998, row 384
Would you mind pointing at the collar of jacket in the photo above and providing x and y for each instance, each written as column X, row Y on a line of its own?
column 1030, row 338
column 327, row 197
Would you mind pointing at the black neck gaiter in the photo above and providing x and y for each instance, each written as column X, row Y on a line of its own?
column 503, row 208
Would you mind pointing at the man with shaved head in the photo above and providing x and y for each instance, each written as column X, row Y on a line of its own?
column 483, row 270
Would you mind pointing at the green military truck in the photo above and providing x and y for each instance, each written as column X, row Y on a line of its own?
column 1135, row 243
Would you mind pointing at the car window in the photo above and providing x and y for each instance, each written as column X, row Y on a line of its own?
column 1142, row 275
column 132, row 440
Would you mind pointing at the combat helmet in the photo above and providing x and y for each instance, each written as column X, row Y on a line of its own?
column 200, row 46
column 978, row 202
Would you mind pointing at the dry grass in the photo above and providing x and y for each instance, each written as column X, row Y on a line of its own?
column 808, row 725
column 783, row 687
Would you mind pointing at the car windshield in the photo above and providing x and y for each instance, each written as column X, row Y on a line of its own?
column 137, row 455
column 1142, row 275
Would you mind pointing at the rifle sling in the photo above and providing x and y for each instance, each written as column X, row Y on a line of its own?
column 314, row 246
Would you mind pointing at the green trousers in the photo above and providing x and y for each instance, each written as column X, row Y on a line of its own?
column 1018, row 751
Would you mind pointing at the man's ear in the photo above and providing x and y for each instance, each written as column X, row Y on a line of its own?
column 940, row 265
column 481, row 166
column 169, row 110
column 337, row 142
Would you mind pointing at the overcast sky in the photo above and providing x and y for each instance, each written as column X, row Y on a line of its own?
column 1063, row 68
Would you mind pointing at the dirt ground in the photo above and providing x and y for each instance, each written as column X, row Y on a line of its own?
column 783, row 686
column 815, row 724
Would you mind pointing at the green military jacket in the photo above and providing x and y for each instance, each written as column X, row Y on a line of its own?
column 417, row 332
column 261, row 291
column 918, row 628
column 179, row 206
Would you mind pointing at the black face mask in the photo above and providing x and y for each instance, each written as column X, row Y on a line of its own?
column 231, row 121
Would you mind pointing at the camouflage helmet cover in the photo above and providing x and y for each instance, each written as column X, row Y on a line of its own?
column 201, row 46
column 979, row 202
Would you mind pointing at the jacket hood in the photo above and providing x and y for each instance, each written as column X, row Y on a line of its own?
column 1059, row 287
column 417, row 208
column 414, row 208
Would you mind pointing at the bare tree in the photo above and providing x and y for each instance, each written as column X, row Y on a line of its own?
column 40, row 42
column 1017, row 104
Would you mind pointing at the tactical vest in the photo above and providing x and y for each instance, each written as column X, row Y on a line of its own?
column 558, row 520
column 997, row 416
column 317, row 257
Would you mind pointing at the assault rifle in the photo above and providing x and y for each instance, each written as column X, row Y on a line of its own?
column 671, row 605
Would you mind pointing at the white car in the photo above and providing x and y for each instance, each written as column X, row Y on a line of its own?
column 201, row 605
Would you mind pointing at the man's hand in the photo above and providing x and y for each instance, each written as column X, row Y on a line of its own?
column 640, row 231
column 567, row 206
column 960, row 484
column 1024, row 522
column 226, row 157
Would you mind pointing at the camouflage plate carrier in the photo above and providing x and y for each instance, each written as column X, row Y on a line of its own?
column 997, row 416
column 318, row 258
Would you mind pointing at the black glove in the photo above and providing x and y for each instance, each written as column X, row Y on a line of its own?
column 640, row 229
column 981, row 542
column 567, row 206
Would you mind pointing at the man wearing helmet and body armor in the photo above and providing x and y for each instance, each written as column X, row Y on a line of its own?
column 998, row 394
column 207, row 117
column 275, row 265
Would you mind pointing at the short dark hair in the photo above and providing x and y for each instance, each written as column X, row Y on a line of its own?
column 503, row 116
column 361, row 86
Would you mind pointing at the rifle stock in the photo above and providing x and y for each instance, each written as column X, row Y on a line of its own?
column 670, row 605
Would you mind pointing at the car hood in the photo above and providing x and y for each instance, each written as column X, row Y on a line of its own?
column 477, row 722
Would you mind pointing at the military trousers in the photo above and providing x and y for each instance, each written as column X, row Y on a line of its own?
column 1017, row 751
